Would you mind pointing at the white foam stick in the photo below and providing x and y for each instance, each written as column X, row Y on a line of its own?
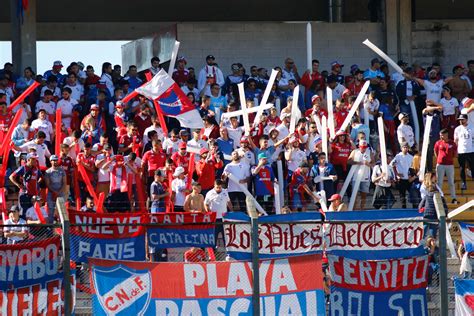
column 383, row 148
column 384, row 56
column 354, row 168
column 246, row 192
column 414, row 115
column 317, row 120
column 332, row 132
column 366, row 116
column 355, row 106
column 324, row 136
column 174, row 54
column 294, row 109
column 243, row 105
column 449, row 242
column 265, row 96
column 251, row 110
column 323, row 201
column 218, row 114
column 227, row 157
column 281, row 182
column 277, row 201
column 424, row 149
column 278, row 106
column 355, row 188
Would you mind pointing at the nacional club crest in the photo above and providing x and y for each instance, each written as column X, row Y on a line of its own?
column 121, row 290
column 170, row 103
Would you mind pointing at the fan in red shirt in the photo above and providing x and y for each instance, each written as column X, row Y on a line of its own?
column 154, row 159
column 340, row 150
column 181, row 74
column 195, row 255
column 308, row 78
column 316, row 109
column 130, row 142
column 143, row 119
column 5, row 117
column 356, row 86
column 340, row 114
column 445, row 151
column 206, row 169
column 181, row 157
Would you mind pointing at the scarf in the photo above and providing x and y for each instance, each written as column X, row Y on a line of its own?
column 123, row 180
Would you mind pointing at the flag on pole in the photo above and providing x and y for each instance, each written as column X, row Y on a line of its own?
column 171, row 100
column 464, row 296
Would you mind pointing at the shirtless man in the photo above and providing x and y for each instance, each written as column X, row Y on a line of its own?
column 194, row 202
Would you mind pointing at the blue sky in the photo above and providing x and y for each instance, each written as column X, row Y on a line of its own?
column 89, row 52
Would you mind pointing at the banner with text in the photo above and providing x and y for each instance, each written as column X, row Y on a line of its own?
column 117, row 236
column 289, row 286
column 182, row 235
column 383, row 287
column 30, row 280
column 375, row 240
column 467, row 233
column 275, row 239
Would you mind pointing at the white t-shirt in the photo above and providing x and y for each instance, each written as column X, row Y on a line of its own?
column 170, row 147
column 103, row 175
column 449, row 106
column 24, row 114
column 217, row 202
column 178, row 186
column 41, row 150
column 402, row 163
column 240, row 171
column 72, row 150
column 77, row 91
column 235, row 134
column 56, row 91
column 9, row 94
column 158, row 130
column 434, row 90
column 337, row 92
column 283, row 131
column 43, row 125
column 8, row 229
column 297, row 157
column 246, row 156
column 406, row 132
column 32, row 215
column 363, row 157
column 49, row 107
column 464, row 135
column 372, row 106
column 66, row 107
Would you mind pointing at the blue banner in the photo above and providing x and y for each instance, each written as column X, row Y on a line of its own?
column 464, row 296
column 182, row 235
column 279, row 235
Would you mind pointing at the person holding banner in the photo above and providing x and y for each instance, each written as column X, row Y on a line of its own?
column 15, row 234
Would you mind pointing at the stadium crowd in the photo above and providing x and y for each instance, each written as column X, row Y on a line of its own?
column 124, row 150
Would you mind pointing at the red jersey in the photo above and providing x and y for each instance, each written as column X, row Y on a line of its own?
column 180, row 76
column 320, row 113
column 445, row 152
column 308, row 79
column 68, row 166
column 197, row 255
column 154, row 161
column 5, row 121
column 142, row 123
column 180, row 160
column 340, row 116
column 355, row 87
column 90, row 162
column 126, row 140
column 340, row 154
column 206, row 171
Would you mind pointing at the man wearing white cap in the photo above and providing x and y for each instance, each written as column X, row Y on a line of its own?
column 55, row 71
column 464, row 139
column 404, row 131
column 178, row 186
column 468, row 108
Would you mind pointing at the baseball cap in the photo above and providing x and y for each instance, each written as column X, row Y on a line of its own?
column 119, row 104
column 304, row 164
column 463, row 117
column 31, row 156
column 401, row 116
column 94, row 107
column 36, row 198
column 178, row 171
column 335, row 197
column 53, row 158
column 315, row 97
column 405, row 144
column 203, row 151
column 14, row 208
column 159, row 173
column 183, row 132
column 244, row 139
column 262, row 156
column 331, row 79
column 339, row 133
column 235, row 67
column 182, row 145
column 80, row 64
column 57, row 63
column 354, row 67
column 363, row 143
column 460, row 66
column 336, row 63
column 210, row 57
column 118, row 158
column 182, row 58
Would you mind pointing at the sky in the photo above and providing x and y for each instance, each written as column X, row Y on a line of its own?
column 89, row 52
